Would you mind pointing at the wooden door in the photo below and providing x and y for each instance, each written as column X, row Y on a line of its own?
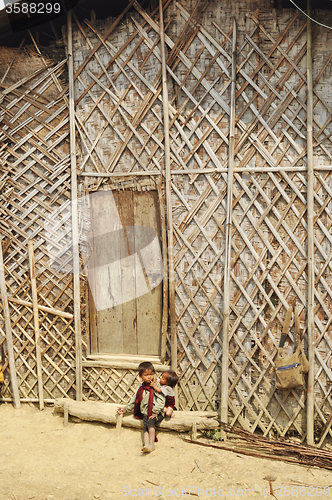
column 125, row 273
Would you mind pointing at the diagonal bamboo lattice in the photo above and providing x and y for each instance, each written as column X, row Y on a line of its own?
column 120, row 128
column 34, row 177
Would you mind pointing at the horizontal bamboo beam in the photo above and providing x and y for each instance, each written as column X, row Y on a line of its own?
column 51, row 310
column 27, row 400
column 204, row 171
column 118, row 174
column 120, row 364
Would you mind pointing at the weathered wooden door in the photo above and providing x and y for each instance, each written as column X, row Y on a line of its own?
column 125, row 273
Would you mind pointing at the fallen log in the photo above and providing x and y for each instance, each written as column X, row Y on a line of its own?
column 106, row 413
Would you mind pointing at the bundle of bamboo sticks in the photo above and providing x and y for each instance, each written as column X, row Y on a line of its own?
column 262, row 447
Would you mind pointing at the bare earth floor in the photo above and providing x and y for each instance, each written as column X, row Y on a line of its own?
column 40, row 459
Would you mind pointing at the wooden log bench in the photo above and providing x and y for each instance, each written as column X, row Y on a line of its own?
column 106, row 413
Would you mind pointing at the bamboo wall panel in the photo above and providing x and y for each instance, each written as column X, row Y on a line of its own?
column 120, row 145
column 109, row 384
column 35, row 182
column 118, row 105
column 268, row 254
column 322, row 228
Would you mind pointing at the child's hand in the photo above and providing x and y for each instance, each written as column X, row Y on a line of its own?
column 121, row 410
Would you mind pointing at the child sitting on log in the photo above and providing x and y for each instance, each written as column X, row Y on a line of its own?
column 147, row 404
column 166, row 382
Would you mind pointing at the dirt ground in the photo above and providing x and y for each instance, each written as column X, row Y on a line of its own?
column 41, row 459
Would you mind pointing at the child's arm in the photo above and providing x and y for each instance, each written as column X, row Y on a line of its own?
column 155, row 387
column 124, row 409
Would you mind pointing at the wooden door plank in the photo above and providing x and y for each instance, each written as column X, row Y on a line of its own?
column 94, row 347
column 146, row 211
column 129, row 321
column 107, row 231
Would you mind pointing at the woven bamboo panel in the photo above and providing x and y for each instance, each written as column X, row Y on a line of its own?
column 35, row 182
column 120, row 130
column 323, row 240
column 269, row 224
column 109, row 384
column 268, row 255
column 118, row 107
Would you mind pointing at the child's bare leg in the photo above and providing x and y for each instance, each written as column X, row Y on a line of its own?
column 152, row 436
column 146, row 440
column 168, row 411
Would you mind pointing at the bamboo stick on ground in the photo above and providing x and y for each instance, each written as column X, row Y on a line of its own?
column 261, row 447
column 36, row 324
column 9, row 338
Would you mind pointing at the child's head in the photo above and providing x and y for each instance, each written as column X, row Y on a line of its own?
column 169, row 378
column 146, row 371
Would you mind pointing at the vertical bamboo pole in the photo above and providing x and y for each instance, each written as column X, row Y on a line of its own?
column 228, row 242
column 164, row 321
column 311, row 249
column 36, row 324
column 168, row 193
column 77, row 312
column 9, row 338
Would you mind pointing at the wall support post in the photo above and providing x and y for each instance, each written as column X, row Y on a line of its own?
column 311, row 245
column 168, row 193
column 76, row 262
column 228, row 242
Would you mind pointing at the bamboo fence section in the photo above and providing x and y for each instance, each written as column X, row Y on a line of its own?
column 265, row 236
column 35, row 179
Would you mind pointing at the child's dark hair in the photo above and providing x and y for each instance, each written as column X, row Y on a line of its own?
column 146, row 365
column 172, row 378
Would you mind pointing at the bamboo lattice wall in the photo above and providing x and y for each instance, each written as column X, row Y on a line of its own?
column 35, row 181
column 120, row 140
